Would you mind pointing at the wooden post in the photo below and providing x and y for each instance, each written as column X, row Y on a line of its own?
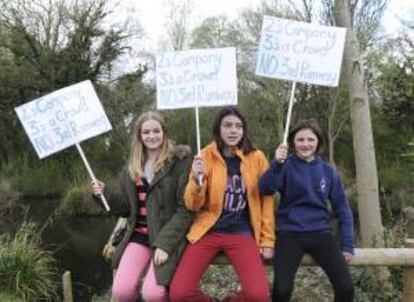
column 67, row 287
column 408, row 289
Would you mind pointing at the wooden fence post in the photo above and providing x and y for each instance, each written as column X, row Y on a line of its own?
column 67, row 287
column 408, row 290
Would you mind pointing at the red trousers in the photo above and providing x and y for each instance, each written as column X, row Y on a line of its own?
column 242, row 252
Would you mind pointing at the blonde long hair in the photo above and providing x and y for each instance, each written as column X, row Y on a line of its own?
column 137, row 154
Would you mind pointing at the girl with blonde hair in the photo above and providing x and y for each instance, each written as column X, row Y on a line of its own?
column 150, row 195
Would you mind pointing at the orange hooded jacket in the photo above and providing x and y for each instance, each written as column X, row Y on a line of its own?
column 207, row 199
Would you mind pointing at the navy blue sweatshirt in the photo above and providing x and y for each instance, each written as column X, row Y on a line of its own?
column 305, row 188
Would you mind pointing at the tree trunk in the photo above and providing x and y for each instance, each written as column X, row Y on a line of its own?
column 334, row 99
column 363, row 141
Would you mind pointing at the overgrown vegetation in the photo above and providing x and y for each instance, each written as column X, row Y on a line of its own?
column 26, row 269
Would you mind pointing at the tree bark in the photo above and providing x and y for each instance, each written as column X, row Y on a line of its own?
column 366, row 170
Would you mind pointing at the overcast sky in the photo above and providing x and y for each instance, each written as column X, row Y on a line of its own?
column 152, row 15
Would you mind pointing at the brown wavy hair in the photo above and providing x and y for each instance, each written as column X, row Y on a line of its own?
column 311, row 124
column 245, row 143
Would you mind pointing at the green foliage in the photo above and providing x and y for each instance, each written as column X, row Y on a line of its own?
column 393, row 126
column 396, row 184
column 41, row 178
column 396, row 85
column 262, row 120
column 61, row 43
column 216, row 32
column 9, row 297
column 26, row 270
column 48, row 46
column 78, row 201
column 45, row 47
column 367, row 285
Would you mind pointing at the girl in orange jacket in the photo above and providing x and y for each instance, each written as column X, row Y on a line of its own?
column 231, row 216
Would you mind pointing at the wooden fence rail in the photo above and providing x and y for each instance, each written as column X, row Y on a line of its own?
column 403, row 257
column 362, row 257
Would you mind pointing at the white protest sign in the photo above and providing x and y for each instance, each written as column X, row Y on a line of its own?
column 300, row 51
column 63, row 118
column 198, row 77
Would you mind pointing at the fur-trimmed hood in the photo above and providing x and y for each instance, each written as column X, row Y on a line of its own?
column 182, row 151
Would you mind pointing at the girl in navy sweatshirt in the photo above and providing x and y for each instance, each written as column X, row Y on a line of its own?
column 306, row 183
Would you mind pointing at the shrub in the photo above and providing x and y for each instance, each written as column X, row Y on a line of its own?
column 78, row 201
column 26, row 270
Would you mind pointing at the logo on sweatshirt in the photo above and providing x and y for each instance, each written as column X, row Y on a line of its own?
column 235, row 195
column 323, row 184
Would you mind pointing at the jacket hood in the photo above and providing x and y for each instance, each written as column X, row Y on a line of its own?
column 182, row 151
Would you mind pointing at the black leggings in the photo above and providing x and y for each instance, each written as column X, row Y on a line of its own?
column 290, row 247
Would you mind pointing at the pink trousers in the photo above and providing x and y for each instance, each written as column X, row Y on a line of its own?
column 136, row 263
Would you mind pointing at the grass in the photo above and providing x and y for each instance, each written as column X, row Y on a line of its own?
column 220, row 281
column 26, row 270
column 311, row 284
column 9, row 297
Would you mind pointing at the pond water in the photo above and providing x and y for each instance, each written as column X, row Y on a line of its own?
column 76, row 242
